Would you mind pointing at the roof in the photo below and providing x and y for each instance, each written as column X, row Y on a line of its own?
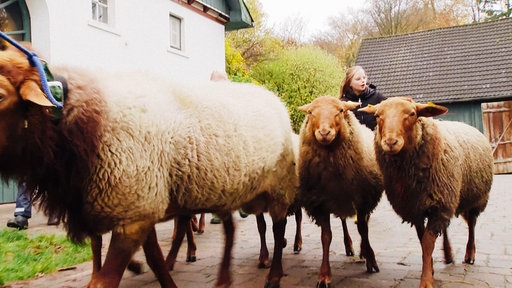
column 235, row 11
column 456, row 64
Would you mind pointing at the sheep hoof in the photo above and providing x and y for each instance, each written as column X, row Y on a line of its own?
column 469, row 261
column 137, row 267
column 370, row 268
column 271, row 285
column 264, row 265
column 323, row 284
column 297, row 249
column 350, row 252
column 191, row 259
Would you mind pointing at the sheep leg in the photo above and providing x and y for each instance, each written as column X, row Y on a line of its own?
column 224, row 276
column 155, row 259
column 297, row 245
column 180, row 226
column 349, row 248
column 366, row 248
column 324, row 277
column 263, row 260
column 276, row 268
column 123, row 244
column 202, row 224
column 447, row 248
column 96, row 243
column 470, row 218
column 194, row 223
column 428, row 242
column 191, row 244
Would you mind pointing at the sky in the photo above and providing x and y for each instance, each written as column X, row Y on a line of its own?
column 314, row 13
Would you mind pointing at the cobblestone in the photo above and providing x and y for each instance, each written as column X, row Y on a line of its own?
column 397, row 249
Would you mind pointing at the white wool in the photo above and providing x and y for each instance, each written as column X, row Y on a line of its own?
column 205, row 146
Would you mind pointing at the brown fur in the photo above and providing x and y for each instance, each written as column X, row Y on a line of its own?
column 338, row 173
column 43, row 151
column 432, row 170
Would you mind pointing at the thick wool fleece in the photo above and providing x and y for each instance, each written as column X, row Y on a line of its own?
column 343, row 177
column 449, row 171
column 210, row 146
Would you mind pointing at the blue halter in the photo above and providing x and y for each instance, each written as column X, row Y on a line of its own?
column 34, row 61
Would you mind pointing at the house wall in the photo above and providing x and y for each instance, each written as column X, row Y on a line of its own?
column 467, row 112
column 63, row 33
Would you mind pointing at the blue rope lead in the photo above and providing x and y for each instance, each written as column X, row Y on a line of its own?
column 34, row 61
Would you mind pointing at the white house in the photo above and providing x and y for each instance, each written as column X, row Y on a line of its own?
column 183, row 39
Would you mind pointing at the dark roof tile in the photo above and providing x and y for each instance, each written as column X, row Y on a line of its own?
column 456, row 64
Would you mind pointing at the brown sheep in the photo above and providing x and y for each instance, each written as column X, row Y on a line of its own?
column 432, row 170
column 338, row 173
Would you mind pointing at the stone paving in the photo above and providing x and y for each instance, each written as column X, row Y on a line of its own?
column 397, row 249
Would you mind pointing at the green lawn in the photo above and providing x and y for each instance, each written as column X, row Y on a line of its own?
column 24, row 257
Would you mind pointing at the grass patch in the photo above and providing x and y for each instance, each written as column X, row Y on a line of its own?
column 24, row 257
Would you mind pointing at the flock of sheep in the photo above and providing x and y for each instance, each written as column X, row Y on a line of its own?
column 130, row 151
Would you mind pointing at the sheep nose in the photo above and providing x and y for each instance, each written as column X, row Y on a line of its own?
column 390, row 142
column 325, row 132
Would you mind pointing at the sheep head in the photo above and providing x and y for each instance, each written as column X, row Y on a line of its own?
column 324, row 117
column 19, row 77
column 396, row 119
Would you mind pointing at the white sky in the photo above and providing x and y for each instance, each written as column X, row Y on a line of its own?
column 314, row 12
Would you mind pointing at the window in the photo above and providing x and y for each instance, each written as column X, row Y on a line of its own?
column 175, row 24
column 100, row 11
column 15, row 20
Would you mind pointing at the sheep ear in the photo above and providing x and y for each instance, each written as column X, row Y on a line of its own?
column 304, row 108
column 349, row 105
column 370, row 109
column 30, row 91
column 430, row 109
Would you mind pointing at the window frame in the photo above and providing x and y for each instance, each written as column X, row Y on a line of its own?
column 176, row 24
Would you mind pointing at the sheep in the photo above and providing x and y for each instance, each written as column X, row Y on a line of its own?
column 432, row 170
column 338, row 173
column 133, row 150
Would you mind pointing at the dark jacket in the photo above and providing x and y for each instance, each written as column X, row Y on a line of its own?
column 370, row 95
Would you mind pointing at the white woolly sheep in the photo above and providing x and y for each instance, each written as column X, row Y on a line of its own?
column 133, row 150
column 432, row 170
column 338, row 173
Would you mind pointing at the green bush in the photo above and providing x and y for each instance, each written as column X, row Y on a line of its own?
column 298, row 76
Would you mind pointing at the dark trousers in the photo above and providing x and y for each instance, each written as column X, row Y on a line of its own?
column 23, row 202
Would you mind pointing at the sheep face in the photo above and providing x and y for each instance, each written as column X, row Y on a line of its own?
column 324, row 117
column 18, row 81
column 396, row 119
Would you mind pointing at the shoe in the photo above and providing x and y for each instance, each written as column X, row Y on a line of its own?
column 242, row 213
column 215, row 219
column 18, row 222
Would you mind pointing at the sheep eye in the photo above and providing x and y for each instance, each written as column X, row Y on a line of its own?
column 412, row 114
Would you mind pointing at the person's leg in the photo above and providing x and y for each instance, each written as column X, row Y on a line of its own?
column 23, row 209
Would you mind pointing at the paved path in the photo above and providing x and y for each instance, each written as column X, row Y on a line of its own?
column 396, row 246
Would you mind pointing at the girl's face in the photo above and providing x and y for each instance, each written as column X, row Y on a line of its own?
column 358, row 82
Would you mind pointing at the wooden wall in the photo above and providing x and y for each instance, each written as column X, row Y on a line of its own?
column 497, row 120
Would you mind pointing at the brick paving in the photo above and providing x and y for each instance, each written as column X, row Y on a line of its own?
column 397, row 249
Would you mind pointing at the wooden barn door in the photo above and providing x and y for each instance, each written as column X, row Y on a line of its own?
column 497, row 120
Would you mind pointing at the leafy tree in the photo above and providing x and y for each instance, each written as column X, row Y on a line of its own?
column 253, row 44
column 298, row 75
